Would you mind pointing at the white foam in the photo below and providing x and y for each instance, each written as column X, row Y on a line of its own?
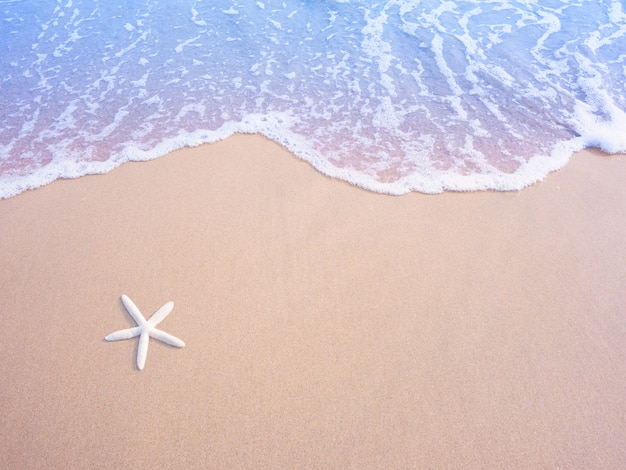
column 179, row 48
column 608, row 134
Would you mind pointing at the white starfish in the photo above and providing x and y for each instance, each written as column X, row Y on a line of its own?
column 145, row 329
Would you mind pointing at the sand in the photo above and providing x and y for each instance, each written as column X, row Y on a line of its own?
column 325, row 326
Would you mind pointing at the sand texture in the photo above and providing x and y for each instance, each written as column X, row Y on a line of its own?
column 325, row 326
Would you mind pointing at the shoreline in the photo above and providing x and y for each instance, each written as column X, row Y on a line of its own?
column 535, row 171
column 325, row 325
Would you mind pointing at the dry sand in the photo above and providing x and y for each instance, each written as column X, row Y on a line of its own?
column 326, row 326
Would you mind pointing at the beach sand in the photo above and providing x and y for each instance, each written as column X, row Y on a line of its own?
column 325, row 326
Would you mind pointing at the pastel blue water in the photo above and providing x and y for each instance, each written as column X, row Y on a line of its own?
column 395, row 96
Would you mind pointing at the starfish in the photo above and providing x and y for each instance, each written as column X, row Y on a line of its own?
column 145, row 329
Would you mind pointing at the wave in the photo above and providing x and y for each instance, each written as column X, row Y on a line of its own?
column 400, row 96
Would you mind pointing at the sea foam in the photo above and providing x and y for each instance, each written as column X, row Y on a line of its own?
column 399, row 96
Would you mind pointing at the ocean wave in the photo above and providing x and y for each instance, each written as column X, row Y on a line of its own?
column 399, row 96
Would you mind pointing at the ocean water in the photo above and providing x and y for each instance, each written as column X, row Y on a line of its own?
column 392, row 95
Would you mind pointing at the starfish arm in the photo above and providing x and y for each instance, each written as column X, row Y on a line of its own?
column 142, row 349
column 160, row 314
column 166, row 338
column 133, row 310
column 124, row 334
